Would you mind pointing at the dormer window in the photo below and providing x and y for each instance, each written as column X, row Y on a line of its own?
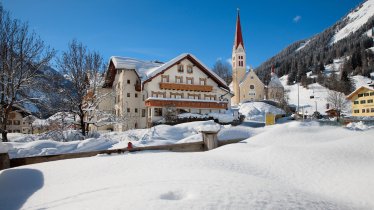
column 180, row 68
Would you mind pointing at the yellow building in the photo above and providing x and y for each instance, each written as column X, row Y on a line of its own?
column 362, row 102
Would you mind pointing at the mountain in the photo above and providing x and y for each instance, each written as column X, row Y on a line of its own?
column 350, row 41
column 44, row 92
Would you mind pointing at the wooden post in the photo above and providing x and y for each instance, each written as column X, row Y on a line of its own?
column 210, row 139
column 4, row 161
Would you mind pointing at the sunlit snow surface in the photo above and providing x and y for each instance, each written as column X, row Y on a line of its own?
column 288, row 166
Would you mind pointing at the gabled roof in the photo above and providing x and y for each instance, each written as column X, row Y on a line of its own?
column 238, row 33
column 247, row 75
column 157, row 71
column 146, row 70
column 357, row 90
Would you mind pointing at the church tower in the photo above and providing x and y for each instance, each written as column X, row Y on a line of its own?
column 238, row 62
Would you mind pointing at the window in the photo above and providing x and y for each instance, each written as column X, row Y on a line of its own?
column 128, row 81
column 164, row 78
column 251, row 87
column 363, row 110
column 362, row 102
column 16, row 122
column 136, row 95
column 9, row 122
column 209, row 97
column 367, row 110
column 356, row 111
column 180, row 68
column 158, row 112
column 176, row 95
column 202, row 81
column 360, row 95
column 251, row 77
column 370, row 101
column 366, row 94
column 371, row 93
column 189, row 69
column 159, row 94
column 193, row 96
column 356, row 102
column 143, row 112
column 136, row 110
column 252, row 94
column 143, row 97
column 189, row 80
column 128, row 94
column 372, row 109
column 128, row 110
column 178, row 79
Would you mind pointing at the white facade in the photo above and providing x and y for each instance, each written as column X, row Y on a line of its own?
column 143, row 91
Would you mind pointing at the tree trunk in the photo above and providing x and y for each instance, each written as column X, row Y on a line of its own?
column 4, row 135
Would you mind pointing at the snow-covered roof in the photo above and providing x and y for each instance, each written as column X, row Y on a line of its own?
column 149, row 69
column 140, row 66
column 358, row 89
column 275, row 82
column 153, row 72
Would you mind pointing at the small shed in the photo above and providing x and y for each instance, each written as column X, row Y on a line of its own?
column 332, row 113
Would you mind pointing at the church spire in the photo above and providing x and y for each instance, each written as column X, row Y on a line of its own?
column 238, row 32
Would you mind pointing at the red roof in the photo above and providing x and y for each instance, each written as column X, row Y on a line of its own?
column 238, row 33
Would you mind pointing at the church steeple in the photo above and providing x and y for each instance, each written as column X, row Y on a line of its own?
column 238, row 32
column 238, row 62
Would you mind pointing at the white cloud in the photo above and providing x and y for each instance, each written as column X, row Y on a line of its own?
column 297, row 19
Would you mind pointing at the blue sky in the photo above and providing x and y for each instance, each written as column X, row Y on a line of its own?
column 161, row 30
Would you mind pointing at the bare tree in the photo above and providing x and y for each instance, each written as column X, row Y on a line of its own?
column 337, row 100
column 83, row 69
column 22, row 58
column 223, row 70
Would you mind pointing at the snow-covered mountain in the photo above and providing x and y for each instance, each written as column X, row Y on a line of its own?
column 350, row 38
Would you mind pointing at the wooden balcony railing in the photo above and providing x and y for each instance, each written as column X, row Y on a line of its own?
column 187, row 104
column 177, row 86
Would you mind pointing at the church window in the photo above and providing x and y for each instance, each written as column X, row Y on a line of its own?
column 251, row 87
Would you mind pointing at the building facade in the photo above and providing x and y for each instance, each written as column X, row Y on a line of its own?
column 362, row 102
column 17, row 122
column 145, row 91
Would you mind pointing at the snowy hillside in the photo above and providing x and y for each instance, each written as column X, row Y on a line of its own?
column 290, row 166
column 355, row 20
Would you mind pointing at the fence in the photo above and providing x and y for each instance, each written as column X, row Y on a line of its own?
column 209, row 142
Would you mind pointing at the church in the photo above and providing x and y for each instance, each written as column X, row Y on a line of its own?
column 246, row 85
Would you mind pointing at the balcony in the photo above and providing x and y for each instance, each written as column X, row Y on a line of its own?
column 188, row 87
column 138, row 87
column 186, row 103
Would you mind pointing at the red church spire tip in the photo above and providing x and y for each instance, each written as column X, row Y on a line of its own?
column 238, row 32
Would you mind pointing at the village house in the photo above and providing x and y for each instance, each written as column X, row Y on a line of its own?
column 362, row 101
column 246, row 86
column 17, row 121
column 144, row 91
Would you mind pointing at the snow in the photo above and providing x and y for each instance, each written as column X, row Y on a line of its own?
column 357, row 126
column 361, row 80
column 42, row 144
column 289, row 166
column 3, row 148
column 309, row 105
column 255, row 111
column 141, row 67
column 304, row 44
column 274, row 81
column 153, row 72
column 356, row 19
column 183, row 99
column 227, row 117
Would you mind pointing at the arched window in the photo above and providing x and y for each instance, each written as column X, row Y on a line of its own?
column 251, row 87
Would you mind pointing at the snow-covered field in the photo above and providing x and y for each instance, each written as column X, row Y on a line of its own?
column 31, row 145
column 288, row 166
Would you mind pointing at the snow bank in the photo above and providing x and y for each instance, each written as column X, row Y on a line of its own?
column 3, row 148
column 360, row 126
column 290, row 166
column 256, row 110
